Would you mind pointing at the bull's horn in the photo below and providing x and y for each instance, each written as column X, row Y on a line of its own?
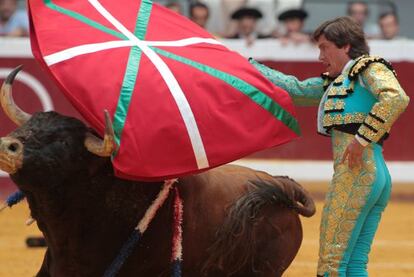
column 10, row 108
column 3, row 206
column 99, row 147
column 30, row 221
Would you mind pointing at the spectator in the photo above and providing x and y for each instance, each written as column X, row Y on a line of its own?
column 13, row 22
column 199, row 14
column 226, row 8
column 293, row 22
column 247, row 24
column 175, row 6
column 359, row 11
column 389, row 25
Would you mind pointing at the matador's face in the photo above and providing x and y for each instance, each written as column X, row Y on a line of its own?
column 334, row 58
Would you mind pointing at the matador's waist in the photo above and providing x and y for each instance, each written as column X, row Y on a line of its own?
column 352, row 128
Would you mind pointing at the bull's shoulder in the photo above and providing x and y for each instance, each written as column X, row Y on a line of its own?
column 226, row 173
column 227, row 180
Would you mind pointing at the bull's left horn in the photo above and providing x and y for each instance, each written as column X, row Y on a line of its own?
column 10, row 108
column 99, row 147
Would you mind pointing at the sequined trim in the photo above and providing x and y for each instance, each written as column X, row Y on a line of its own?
column 334, row 105
column 363, row 63
column 327, row 80
column 382, row 112
column 377, row 118
column 392, row 101
column 370, row 133
column 370, row 127
column 339, row 81
column 330, row 120
column 337, row 91
column 364, row 133
column 347, row 195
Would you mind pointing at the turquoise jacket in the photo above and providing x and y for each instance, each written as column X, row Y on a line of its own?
column 365, row 99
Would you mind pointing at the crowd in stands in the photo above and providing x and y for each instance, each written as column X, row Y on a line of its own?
column 243, row 20
column 291, row 22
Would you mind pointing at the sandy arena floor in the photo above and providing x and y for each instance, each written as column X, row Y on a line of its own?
column 392, row 253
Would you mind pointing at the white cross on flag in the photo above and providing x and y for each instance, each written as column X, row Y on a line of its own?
column 180, row 101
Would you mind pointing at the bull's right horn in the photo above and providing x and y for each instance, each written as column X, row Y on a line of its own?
column 10, row 108
column 99, row 147
column 30, row 221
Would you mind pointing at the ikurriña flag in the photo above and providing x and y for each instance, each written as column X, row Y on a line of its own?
column 180, row 101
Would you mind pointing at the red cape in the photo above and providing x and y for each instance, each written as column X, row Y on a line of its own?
column 181, row 102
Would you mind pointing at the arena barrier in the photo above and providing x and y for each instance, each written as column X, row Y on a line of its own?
column 307, row 158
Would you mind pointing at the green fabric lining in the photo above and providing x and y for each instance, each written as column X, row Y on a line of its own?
column 252, row 92
column 84, row 19
column 131, row 73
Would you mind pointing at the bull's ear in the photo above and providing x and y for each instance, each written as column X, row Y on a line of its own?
column 99, row 147
column 17, row 115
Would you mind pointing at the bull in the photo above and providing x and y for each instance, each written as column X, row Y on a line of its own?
column 237, row 221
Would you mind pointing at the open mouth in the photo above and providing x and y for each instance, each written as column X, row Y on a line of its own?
column 326, row 64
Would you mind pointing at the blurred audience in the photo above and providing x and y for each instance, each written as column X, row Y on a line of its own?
column 199, row 14
column 226, row 8
column 389, row 25
column 175, row 6
column 247, row 24
column 292, row 21
column 244, row 24
column 13, row 22
column 359, row 11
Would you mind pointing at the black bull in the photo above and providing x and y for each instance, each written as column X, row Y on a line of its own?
column 237, row 221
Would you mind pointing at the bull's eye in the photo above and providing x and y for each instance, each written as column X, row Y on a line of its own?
column 13, row 147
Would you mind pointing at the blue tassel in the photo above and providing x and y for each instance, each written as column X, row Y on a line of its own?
column 15, row 198
column 126, row 250
column 176, row 268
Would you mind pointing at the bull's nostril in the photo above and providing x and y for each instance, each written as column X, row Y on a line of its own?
column 13, row 147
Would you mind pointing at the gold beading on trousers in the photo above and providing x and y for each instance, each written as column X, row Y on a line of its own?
column 346, row 196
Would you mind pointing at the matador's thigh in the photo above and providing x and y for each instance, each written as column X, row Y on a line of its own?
column 350, row 199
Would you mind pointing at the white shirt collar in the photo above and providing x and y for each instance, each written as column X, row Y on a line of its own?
column 347, row 66
column 321, row 129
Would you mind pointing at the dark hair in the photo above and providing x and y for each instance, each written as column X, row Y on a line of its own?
column 342, row 31
column 198, row 5
column 385, row 14
column 173, row 4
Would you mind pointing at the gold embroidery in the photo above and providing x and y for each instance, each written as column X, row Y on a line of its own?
column 332, row 104
column 374, row 123
column 392, row 100
column 330, row 120
column 327, row 80
column 347, row 195
column 335, row 91
column 367, row 133
column 364, row 62
column 383, row 111
column 339, row 80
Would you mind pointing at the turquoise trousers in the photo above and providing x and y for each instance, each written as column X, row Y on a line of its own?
column 354, row 203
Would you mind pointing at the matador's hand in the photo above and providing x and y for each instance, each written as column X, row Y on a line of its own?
column 354, row 154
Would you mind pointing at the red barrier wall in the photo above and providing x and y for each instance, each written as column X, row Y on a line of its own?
column 310, row 146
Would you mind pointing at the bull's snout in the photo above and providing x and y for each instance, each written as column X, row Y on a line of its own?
column 11, row 154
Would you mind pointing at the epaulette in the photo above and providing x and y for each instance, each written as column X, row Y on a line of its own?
column 327, row 80
column 363, row 62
